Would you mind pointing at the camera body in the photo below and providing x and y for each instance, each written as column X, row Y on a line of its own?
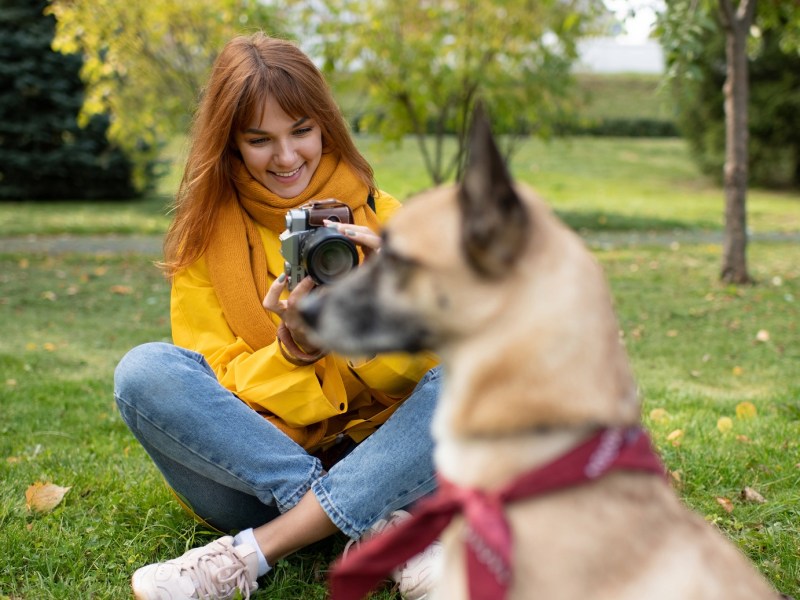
column 310, row 248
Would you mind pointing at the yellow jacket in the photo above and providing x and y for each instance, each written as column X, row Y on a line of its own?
column 317, row 402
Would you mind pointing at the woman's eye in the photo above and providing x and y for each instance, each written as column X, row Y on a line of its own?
column 259, row 141
column 303, row 131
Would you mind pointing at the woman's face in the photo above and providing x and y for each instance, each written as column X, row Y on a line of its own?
column 280, row 152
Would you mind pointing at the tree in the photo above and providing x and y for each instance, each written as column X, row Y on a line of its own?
column 682, row 29
column 424, row 64
column 774, row 115
column 44, row 153
column 146, row 62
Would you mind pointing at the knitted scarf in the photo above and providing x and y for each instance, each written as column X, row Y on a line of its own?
column 236, row 257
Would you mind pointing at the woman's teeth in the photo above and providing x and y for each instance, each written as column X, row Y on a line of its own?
column 287, row 174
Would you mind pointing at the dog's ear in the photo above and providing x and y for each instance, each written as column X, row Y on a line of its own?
column 494, row 219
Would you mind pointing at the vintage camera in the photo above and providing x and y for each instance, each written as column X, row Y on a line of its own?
column 310, row 248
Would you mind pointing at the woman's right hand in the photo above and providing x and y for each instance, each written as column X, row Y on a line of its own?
column 287, row 311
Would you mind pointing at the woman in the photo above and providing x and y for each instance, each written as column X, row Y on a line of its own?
column 254, row 428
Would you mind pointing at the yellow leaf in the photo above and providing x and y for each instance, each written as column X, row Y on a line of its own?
column 762, row 335
column 725, row 503
column 30, row 346
column 672, row 333
column 745, row 410
column 724, row 424
column 49, row 346
column 659, row 415
column 24, row 263
column 11, row 382
column 44, row 497
column 737, row 371
column 676, row 437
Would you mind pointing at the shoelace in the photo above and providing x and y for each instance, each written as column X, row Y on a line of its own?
column 220, row 579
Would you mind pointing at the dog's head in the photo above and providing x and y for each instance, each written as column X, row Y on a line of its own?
column 485, row 275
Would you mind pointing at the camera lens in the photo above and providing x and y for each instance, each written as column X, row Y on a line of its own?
column 328, row 255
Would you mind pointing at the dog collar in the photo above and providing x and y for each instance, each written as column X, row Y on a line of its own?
column 488, row 533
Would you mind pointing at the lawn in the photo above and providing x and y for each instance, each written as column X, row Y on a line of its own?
column 717, row 367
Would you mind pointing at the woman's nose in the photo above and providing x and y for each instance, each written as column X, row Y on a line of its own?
column 284, row 153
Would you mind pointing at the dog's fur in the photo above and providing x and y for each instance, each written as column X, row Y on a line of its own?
column 519, row 311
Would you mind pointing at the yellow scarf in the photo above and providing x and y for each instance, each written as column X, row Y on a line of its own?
column 236, row 257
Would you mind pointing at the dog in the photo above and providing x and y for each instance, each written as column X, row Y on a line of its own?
column 485, row 275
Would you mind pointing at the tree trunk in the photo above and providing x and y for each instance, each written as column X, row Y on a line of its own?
column 736, row 22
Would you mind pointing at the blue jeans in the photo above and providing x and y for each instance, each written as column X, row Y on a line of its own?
column 235, row 469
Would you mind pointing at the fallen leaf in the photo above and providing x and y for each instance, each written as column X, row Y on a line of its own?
column 672, row 333
column 724, row 424
column 49, row 295
column 676, row 437
column 49, row 346
column 737, row 371
column 659, row 415
column 11, row 382
column 100, row 271
column 762, row 335
column 743, row 438
column 676, row 475
column 44, row 497
column 750, row 495
column 725, row 503
column 24, row 263
column 122, row 290
column 745, row 410
column 31, row 346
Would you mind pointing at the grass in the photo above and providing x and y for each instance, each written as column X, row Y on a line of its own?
column 693, row 341
column 605, row 184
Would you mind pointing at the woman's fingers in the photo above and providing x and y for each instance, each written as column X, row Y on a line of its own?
column 272, row 301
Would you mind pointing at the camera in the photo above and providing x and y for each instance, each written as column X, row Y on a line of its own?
column 310, row 248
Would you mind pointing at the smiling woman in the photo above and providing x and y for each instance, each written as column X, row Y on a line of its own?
column 297, row 443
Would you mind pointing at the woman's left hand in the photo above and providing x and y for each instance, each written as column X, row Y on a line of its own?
column 369, row 241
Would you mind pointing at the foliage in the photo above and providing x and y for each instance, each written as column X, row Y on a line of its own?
column 146, row 62
column 425, row 64
column 774, row 157
column 44, row 153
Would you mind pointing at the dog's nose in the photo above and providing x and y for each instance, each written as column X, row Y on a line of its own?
column 309, row 309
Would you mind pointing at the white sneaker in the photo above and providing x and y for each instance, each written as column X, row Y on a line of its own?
column 212, row 572
column 416, row 577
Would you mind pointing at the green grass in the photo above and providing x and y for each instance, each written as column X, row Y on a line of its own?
column 607, row 184
column 693, row 343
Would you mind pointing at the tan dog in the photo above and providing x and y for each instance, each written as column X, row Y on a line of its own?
column 520, row 313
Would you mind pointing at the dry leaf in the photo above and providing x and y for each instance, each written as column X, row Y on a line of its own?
column 676, row 437
column 725, row 503
column 672, row 333
column 24, row 263
column 745, row 410
column 659, row 415
column 724, row 424
column 737, row 371
column 123, row 290
column 49, row 346
column 44, row 497
column 743, row 438
column 49, row 295
column 750, row 495
column 762, row 335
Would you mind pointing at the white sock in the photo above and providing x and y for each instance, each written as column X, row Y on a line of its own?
column 246, row 537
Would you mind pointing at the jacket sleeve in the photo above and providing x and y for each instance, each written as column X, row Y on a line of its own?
column 262, row 378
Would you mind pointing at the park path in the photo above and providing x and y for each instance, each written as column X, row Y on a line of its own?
column 151, row 244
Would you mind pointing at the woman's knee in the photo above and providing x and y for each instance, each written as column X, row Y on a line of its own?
column 142, row 370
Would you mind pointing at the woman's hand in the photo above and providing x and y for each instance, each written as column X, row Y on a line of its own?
column 369, row 241
column 286, row 309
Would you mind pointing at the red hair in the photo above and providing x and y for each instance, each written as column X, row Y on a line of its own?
column 247, row 71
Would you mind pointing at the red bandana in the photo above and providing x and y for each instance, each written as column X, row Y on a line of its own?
column 488, row 534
